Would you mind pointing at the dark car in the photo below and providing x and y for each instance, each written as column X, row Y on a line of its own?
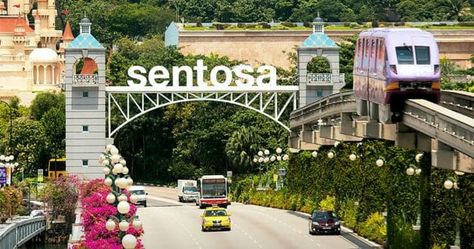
column 324, row 222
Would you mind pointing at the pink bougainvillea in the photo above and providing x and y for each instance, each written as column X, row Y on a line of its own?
column 95, row 213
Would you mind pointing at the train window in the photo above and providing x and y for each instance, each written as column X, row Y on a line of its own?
column 422, row 55
column 404, row 55
column 358, row 52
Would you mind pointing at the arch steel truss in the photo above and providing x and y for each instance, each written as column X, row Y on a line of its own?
column 131, row 103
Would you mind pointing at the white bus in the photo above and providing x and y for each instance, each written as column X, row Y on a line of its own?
column 212, row 191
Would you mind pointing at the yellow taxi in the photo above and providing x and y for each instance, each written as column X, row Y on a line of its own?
column 215, row 218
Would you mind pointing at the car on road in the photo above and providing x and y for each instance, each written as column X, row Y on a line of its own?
column 215, row 218
column 139, row 191
column 322, row 221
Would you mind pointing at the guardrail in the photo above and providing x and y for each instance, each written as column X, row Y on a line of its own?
column 449, row 127
column 462, row 102
column 18, row 233
column 329, row 106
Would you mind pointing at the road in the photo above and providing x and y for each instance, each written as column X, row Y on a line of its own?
column 170, row 224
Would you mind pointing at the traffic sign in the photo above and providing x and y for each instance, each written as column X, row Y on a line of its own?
column 40, row 175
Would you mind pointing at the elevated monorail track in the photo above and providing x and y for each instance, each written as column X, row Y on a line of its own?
column 451, row 122
column 462, row 102
column 435, row 121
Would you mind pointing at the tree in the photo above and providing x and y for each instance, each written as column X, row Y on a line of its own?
column 319, row 64
column 45, row 101
column 54, row 124
column 241, row 147
column 28, row 142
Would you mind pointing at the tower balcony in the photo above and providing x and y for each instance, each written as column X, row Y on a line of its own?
column 325, row 79
column 85, row 80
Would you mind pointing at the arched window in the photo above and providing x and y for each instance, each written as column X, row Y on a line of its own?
column 319, row 64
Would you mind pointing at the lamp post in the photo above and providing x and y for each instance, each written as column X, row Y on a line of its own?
column 264, row 158
column 116, row 176
column 452, row 183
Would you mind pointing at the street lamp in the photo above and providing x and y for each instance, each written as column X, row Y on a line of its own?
column 116, row 176
column 411, row 171
column 452, row 183
column 265, row 157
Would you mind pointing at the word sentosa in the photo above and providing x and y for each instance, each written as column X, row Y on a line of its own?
column 220, row 76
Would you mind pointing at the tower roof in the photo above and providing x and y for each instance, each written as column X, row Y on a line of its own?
column 318, row 19
column 8, row 24
column 67, row 34
column 318, row 40
column 85, row 20
column 85, row 40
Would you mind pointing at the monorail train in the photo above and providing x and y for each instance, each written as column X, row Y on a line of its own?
column 392, row 65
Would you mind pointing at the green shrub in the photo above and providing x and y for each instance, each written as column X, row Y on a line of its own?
column 348, row 213
column 404, row 236
column 467, row 24
column 439, row 246
column 288, row 24
column 374, row 228
column 328, row 203
column 309, row 206
column 265, row 25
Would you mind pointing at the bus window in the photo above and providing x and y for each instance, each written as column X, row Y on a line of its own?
column 57, row 168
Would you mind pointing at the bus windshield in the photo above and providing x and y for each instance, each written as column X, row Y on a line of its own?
column 213, row 188
column 404, row 55
column 57, row 165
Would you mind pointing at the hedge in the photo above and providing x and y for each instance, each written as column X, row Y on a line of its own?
column 362, row 193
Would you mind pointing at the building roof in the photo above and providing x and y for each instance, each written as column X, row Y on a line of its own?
column 43, row 55
column 318, row 40
column 318, row 19
column 8, row 24
column 85, row 40
column 67, row 35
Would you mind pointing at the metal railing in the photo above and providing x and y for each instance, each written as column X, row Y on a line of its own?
column 323, row 79
column 18, row 233
column 462, row 102
column 85, row 80
column 451, row 128
column 331, row 105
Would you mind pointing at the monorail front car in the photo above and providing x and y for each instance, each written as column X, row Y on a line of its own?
column 392, row 65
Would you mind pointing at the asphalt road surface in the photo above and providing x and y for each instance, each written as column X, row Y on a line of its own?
column 170, row 224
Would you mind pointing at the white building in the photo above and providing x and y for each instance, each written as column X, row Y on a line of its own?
column 31, row 55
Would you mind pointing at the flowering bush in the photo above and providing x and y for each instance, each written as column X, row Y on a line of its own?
column 61, row 196
column 96, row 212
column 10, row 202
